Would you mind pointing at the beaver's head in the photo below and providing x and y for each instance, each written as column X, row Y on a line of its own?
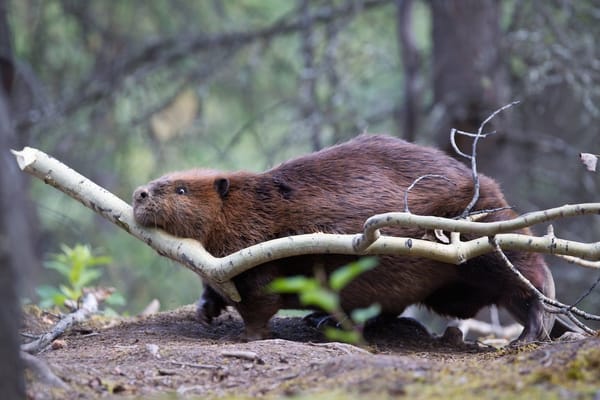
column 185, row 204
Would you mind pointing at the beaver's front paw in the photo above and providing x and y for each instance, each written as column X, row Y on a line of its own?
column 210, row 306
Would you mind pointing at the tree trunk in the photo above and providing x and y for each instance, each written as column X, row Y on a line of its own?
column 412, row 66
column 14, row 251
column 469, row 76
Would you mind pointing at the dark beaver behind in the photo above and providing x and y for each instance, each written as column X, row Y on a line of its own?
column 334, row 191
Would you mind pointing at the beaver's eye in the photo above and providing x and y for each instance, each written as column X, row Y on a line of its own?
column 181, row 190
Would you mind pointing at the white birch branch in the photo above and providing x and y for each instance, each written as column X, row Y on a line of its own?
column 219, row 271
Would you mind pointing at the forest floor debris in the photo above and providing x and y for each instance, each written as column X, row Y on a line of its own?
column 199, row 361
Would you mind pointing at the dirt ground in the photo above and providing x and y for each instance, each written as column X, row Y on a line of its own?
column 170, row 355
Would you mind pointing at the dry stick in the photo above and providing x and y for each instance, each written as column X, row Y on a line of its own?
column 561, row 308
column 573, row 260
column 458, row 151
column 419, row 179
column 89, row 305
column 579, row 261
column 473, row 157
column 586, row 294
column 470, row 249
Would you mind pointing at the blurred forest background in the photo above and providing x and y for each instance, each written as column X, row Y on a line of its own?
column 124, row 91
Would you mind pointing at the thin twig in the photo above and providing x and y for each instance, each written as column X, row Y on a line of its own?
column 580, row 261
column 419, row 179
column 455, row 146
column 469, row 134
column 586, row 294
column 458, row 151
column 560, row 307
column 486, row 211
column 89, row 305
column 473, row 157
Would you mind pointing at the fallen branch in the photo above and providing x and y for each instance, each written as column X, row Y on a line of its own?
column 219, row 271
column 89, row 305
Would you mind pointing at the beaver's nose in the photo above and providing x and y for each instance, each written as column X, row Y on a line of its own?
column 141, row 194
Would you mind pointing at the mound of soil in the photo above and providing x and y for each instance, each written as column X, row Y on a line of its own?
column 170, row 353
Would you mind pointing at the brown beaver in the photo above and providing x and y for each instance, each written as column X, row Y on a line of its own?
column 334, row 191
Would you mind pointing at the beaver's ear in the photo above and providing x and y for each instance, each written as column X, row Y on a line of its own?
column 222, row 186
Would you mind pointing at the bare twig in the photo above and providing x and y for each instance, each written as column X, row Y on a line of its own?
column 580, row 261
column 473, row 157
column 458, row 151
column 89, row 305
column 558, row 307
column 419, row 179
column 586, row 294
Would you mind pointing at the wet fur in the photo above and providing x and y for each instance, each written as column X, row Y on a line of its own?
column 334, row 191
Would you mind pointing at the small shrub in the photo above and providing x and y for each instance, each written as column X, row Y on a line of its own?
column 79, row 268
column 325, row 295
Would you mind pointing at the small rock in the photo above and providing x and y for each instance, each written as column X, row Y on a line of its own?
column 153, row 349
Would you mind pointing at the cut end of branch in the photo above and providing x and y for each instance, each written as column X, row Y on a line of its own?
column 24, row 157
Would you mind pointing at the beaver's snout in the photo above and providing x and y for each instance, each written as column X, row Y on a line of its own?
column 140, row 195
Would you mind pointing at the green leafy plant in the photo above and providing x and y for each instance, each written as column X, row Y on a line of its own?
column 324, row 294
column 79, row 268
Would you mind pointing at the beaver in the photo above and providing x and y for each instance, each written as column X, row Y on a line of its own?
column 334, row 191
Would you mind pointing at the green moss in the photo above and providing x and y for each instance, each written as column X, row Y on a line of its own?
column 585, row 367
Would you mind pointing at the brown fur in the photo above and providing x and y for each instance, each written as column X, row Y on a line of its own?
column 334, row 191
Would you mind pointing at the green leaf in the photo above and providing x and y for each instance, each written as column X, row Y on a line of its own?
column 116, row 299
column 321, row 298
column 344, row 275
column 362, row 315
column 100, row 260
column 46, row 291
column 109, row 312
column 70, row 293
column 292, row 284
column 50, row 296
column 86, row 277
column 59, row 299
column 59, row 266
column 340, row 335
